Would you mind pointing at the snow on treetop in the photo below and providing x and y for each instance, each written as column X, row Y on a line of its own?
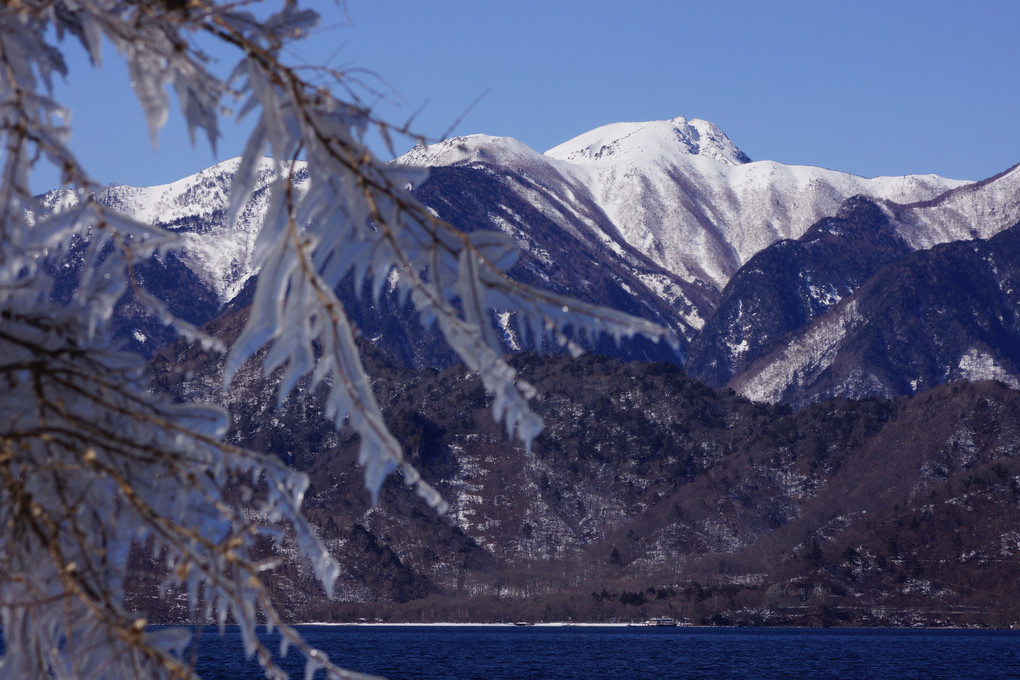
column 666, row 139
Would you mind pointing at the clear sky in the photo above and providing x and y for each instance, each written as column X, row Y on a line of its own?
column 868, row 87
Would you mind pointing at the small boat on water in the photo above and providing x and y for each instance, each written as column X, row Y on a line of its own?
column 661, row 621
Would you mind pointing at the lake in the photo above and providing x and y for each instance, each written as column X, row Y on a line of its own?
column 512, row 653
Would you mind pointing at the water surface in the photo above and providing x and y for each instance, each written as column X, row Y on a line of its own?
column 510, row 653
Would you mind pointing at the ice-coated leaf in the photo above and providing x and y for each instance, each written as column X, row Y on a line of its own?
column 53, row 229
column 171, row 640
column 473, row 298
column 312, row 664
column 91, row 37
column 247, row 171
column 266, row 311
column 199, row 108
column 292, row 21
column 149, row 79
column 501, row 251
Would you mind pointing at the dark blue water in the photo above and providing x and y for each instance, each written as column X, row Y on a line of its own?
column 507, row 653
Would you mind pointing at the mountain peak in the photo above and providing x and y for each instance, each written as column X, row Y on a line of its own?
column 678, row 136
column 475, row 148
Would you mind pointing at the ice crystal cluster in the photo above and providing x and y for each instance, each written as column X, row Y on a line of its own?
column 96, row 466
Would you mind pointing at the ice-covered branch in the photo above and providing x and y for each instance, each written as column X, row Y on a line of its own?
column 93, row 464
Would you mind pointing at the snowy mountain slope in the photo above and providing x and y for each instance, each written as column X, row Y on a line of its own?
column 978, row 210
column 506, row 186
column 931, row 317
column 195, row 207
column 708, row 208
column 651, row 142
column 565, row 253
column 783, row 288
column 680, row 192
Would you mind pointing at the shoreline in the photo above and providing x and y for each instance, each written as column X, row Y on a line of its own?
column 452, row 624
column 568, row 624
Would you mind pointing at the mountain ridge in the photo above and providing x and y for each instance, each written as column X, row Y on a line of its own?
column 693, row 215
column 659, row 225
column 930, row 317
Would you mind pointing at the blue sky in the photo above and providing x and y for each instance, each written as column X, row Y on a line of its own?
column 871, row 88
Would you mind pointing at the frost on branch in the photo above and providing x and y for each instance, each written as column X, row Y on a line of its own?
column 94, row 465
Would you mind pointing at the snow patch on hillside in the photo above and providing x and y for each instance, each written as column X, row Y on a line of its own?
column 801, row 360
column 977, row 365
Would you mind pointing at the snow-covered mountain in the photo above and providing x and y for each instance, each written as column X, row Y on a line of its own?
column 787, row 284
column 679, row 192
column 679, row 197
column 668, row 220
column 195, row 207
